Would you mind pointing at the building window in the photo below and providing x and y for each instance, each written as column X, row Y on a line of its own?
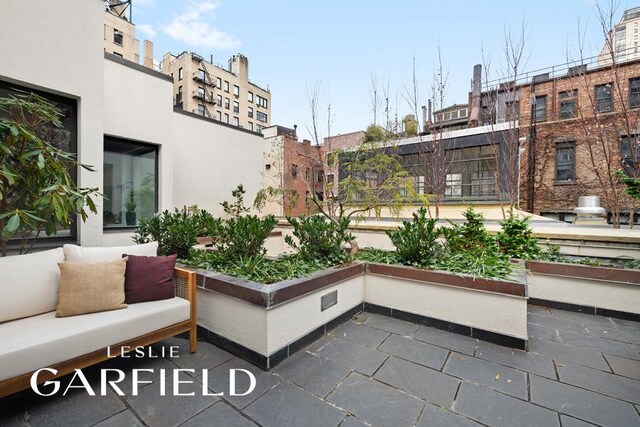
column 262, row 117
column 463, row 112
column 236, row 91
column 513, row 111
column 250, row 126
column 259, row 128
column 453, row 185
column 64, row 137
column 604, row 100
column 236, row 121
column 634, row 92
column 262, row 102
column 118, row 37
column 471, row 172
column 218, row 82
column 226, row 118
column 130, row 182
column 200, row 75
column 226, row 103
column 294, row 171
column 178, row 102
column 568, row 104
column 236, row 107
column 226, row 86
column 201, row 109
column 180, row 73
column 250, row 112
column 200, row 93
column 250, row 96
column 629, row 158
column 319, row 176
column 565, row 162
column 219, row 115
column 540, row 108
column 329, row 178
column 219, row 102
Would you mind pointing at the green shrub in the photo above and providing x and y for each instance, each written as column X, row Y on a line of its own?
column 244, row 236
column 176, row 231
column 416, row 241
column 320, row 238
column 553, row 254
column 469, row 236
column 516, row 239
column 379, row 256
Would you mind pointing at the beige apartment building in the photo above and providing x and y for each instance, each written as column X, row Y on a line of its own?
column 120, row 34
column 225, row 95
column 624, row 39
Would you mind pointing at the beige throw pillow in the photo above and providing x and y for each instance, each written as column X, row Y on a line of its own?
column 89, row 288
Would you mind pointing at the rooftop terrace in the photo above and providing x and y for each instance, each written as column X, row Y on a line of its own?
column 375, row 370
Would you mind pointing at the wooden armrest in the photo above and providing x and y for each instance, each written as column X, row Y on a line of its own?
column 184, row 284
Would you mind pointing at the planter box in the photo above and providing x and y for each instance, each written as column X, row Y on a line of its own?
column 488, row 309
column 266, row 323
column 606, row 291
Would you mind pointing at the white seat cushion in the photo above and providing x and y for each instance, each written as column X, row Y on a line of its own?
column 29, row 284
column 41, row 341
column 74, row 253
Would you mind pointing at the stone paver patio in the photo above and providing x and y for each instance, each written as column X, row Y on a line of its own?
column 581, row 370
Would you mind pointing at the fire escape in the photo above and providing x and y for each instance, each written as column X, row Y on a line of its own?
column 203, row 94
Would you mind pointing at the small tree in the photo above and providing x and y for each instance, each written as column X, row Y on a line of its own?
column 37, row 191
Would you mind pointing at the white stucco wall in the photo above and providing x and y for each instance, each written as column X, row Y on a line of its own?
column 210, row 160
column 57, row 47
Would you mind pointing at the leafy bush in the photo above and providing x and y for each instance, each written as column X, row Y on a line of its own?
column 244, row 236
column 516, row 239
column 478, row 263
column 320, row 238
column 416, row 241
column 553, row 254
column 472, row 235
column 237, row 207
column 176, row 231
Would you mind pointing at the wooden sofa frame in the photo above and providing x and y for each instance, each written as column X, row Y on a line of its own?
column 184, row 287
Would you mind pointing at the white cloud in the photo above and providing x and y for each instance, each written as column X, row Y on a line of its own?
column 194, row 28
column 147, row 29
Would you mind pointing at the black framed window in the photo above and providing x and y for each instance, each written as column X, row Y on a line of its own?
column 65, row 138
column 118, row 37
column 634, row 92
column 604, row 98
column 565, row 162
column 568, row 104
column 262, row 117
column 130, row 182
column 540, row 108
column 630, row 153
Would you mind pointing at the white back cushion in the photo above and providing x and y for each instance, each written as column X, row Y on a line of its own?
column 75, row 253
column 29, row 284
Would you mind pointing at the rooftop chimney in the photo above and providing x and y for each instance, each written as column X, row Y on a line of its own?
column 476, row 92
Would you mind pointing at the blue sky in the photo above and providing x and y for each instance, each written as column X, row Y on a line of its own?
column 338, row 45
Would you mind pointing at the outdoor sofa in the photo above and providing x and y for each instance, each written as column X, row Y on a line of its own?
column 32, row 337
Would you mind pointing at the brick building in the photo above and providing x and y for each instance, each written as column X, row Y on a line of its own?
column 293, row 166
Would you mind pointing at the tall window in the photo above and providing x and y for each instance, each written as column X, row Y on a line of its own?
column 630, row 152
column 219, row 101
column 226, row 86
column 180, row 73
column 226, row 103
column 200, row 75
column 236, row 91
column 565, row 162
column 201, row 109
column 130, row 182
column 294, row 171
column 250, row 126
column 236, row 121
column 218, row 82
column 540, row 108
column 250, row 96
column 250, row 112
column 226, row 118
column 568, row 104
column 219, row 115
column 634, row 92
column 236, row 107
column 604, row 100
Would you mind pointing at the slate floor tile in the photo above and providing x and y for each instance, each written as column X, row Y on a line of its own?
column 219, row 381
column 415, row 351
column 170, row 410
column 455, row 342
column 623, row 366
column 602, row 382
column 288, row 406
column 632, row 337
column 351, row 355
column 434, row 416
column 219, row 414
column 361, row 317
column 492, row 375
column 362, row 334
column 389, row 324
column 76, row 408
column 573, row 422
column 124, row 418
column 496, row 409
column 524, row 360
column 376, row 403
column 569, row 354
column 425, row 383
column 207, row 355
column 353, row 422
column 603, row 345
column 312, row 373
column 582, row 404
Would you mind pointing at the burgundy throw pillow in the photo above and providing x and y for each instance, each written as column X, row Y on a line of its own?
column 148, row 278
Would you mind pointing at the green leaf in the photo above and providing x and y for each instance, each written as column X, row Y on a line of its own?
column 13, row 224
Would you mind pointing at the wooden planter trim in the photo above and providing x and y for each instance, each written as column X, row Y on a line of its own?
column 588, row 272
